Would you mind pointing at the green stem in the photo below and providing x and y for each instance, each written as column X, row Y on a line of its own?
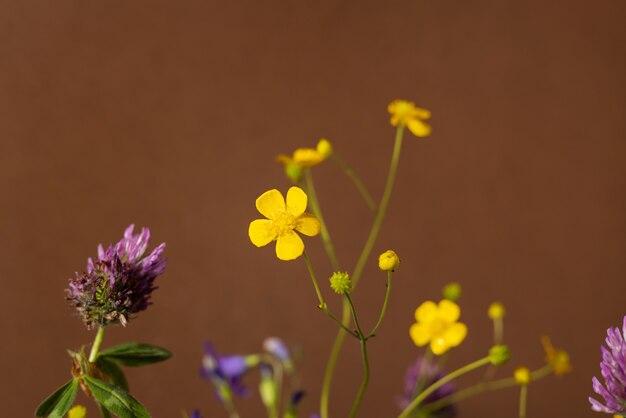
column 357, row 182
column 96, row 345
column 482, row 387
column 356, row 275
column 366, row 365
column 458, row 372
column 523, row 394
column 385, row 303
column 315, row 206
column 421, row 379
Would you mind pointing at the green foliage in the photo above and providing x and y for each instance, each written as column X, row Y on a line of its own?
column 115, row 399
column 113, row 371
column 57, row 404
column 135, row 354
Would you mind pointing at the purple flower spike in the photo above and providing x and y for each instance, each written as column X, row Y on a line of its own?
column 424, row 373
column 119, row 283
column 613, row 370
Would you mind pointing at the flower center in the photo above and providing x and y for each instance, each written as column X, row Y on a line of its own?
column 283, row 223
column 438, row 327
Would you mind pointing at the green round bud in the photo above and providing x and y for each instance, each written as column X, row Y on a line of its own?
column 388, row 261
column 452, row 291
column 294, row 172
column 340, row 282
column 499, row 354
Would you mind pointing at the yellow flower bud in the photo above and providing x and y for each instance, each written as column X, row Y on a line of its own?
column 340, row 282
column 452, row 291
column 325, row 148
column 496, row 310
column 388, row 261
column 77, row 411
column 522, row 375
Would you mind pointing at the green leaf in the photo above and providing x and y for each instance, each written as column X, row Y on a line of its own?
column 135, row 354
column 116, row 400
column 57, row 404
column 114, row 372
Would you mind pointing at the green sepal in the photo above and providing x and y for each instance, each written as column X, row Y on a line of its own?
column 113, row 371
column 116, row 400
column 135, row 354
column 57, row 404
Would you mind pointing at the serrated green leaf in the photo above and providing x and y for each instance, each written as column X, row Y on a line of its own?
column 114, row 372
column 57, row 404
column 116, row 400
column 135, row 354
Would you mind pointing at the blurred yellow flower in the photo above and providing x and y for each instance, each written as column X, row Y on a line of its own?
column 522, row 375
column 282, row 218
column 437, row 325
column 558, row 359
column 308, row 157
column 77, row 411
column 496, row 310
column 406, row 113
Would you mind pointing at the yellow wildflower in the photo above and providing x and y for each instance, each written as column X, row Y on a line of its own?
column 522, row 375
column 308, row 157
column 388, row 261
column 405, row 113
column 77, row 411
column 558, row 359
column 282, row 219
column 325, row 148
column 437, row 325
column 496, row 310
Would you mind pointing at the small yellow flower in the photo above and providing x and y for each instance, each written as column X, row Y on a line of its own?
column 282, row 219
column 496, row 310
column 325, row 148
column 388, row 261
column 405, row 113
column 437, row 325
column 522, row 375
column 77, row 411
column 308, row 157
column 558, row 359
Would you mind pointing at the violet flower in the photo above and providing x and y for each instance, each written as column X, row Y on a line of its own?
column 424, row 373
column 226, row 371
column 119, row 283
column 613, row 370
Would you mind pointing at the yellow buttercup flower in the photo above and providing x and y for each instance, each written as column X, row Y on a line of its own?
column 558, row 359
column 77, row 411
column 308, row 157
column 437, row 325
column 282, row 219
column 406, row 113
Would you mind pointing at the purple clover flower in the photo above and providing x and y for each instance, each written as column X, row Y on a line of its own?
column 424, row 372
column 613, row 370
column 119, row 283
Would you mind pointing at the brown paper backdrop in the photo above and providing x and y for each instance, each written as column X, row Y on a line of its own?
column 169, row 114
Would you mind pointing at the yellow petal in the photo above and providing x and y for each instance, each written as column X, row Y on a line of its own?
column 449, row 311
column 307, row 157
column 77, row 411
column 270, row 202
column 420, row 334
column 284, row 159
column 439, row 346
column 426, row 312
column 308, row 224
column 260, row 232
column 421, row 113
column 296, row 201
column 418, row 128
column 289, row 246
column 455, row 334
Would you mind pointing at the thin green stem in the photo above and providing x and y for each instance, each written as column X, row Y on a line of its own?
column 315, row 206
column 354, row 315
column 96, row 345
column 366, row 365
column 356, row 180
column 385, row 303
column 498, row 338
column 358, row 270
column 483, row 387
column 314, row 280
column 449, row 377
column 523, row 394
column 421, row 379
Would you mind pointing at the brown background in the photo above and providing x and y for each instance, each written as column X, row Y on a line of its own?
column 169, row 114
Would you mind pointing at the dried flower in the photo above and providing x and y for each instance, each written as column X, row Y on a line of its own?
column 425, row 372
column 613, row 370
column 282, row 219
column 119, row 283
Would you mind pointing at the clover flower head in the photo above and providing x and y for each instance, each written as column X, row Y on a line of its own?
column 613, row 370
column 340, row 282
column 119, row 283
column 226, row 371
column 425, row 372
column 77, row 411
column 438, row 325
column 521, row 375
column 496, row 311
column 283, row 219
column 407, row 114
column 388, row 261
column 558, row 359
